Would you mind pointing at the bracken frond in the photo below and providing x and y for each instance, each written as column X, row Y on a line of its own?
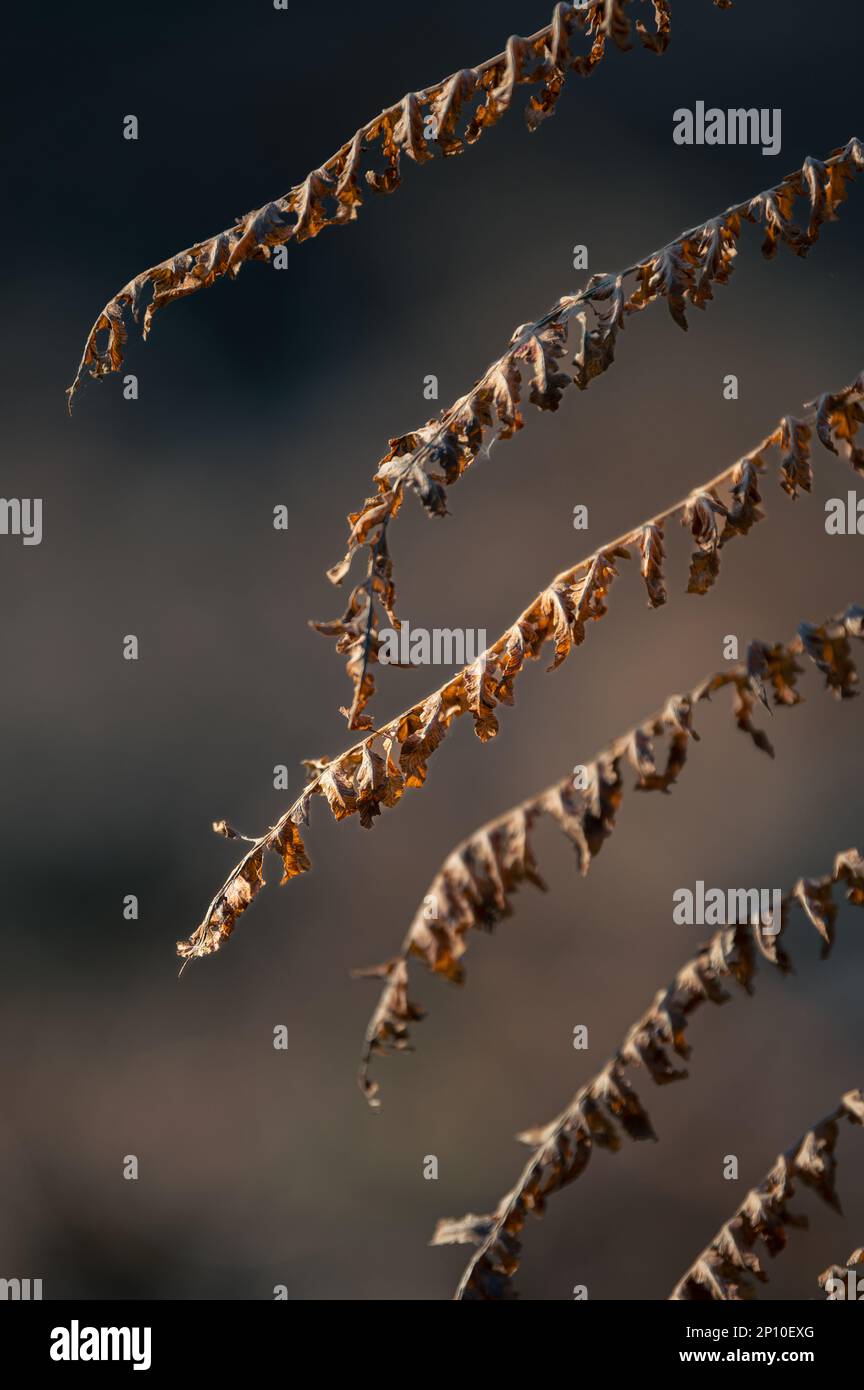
column 723, row 1271
column 429, row 460
column 451, row 114
column 474, row 887
column 607, row 1105
column 712, row 522
column 375, row 771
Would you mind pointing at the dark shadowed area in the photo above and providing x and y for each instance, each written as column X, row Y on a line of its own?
column 260, row 1167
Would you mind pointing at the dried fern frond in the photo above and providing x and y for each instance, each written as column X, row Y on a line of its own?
column 607, row 1105
column 375, row 771
column 451, row 114
column 429, row 460
column 723, row 1270
column 834, row 416
column 474, row 887
column 841, row 1273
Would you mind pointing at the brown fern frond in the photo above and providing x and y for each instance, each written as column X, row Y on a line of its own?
column 607, row 1105
column 474, row 887
column 723, row 1270
column 451, row 114
column 580, row 594
column 429, row 460
column 837, row 1276
column 376, row 770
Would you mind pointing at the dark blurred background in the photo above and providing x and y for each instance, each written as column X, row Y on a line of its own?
column 260, row 1167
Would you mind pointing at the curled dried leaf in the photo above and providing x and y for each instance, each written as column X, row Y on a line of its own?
column 288, row 844
column 793, row 438
column 700, row 515
column 653, row 557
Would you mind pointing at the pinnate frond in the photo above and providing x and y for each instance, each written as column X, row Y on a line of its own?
column 606, row 1109
column 581, row 595
column 724, row 1270
column 474, row 888
column 450, row 115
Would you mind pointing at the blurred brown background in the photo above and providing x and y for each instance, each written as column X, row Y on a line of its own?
column 260, row 1167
